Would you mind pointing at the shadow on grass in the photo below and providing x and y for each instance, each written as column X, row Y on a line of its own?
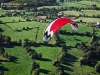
column 3, row 68
column 93, row 62
column 66, row 68
column 70, row 58
column 7, row 45
column 44, row 71
column 13, row 59
column 69, row 47
column 64, row 32
column 66, row 73
column 77, row 39
column 4, row 61
column 10, row 59
column 1, row 30
column 68, row 61
column 45, row 59
column 62, row 41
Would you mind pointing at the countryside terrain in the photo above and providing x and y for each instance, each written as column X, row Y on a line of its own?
column 23, row 51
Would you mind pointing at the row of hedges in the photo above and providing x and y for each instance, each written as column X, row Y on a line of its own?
column 91, row 53
column 64, row 32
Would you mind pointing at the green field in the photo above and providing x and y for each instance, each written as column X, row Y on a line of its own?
column 73, row 12
column 10, row 19
column 91, row 12
column 88, row 19
column 23, row 63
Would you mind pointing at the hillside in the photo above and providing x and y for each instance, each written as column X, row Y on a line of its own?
column 69, row 52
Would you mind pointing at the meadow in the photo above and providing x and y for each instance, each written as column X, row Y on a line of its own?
column 79, row 4
column 23, row 63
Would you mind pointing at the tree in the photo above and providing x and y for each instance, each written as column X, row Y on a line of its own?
column 91, row 54
column 1, row 30
column 27, row 49
column 7, row 39
column 94, row 6
column 24, row 44
column 39, row 55
column 51, row 73
column 97, row 67
column 34, row 55
column 37, row 71
column 62, row 1
column 2, row 50
column 84, row 60
column 20, row 41
column 1, row 72
column 35, row 66
column 60, row 71
column 5, row 55
column 26, row 40
column 1, row 40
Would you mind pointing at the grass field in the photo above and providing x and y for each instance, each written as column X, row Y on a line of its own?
column 91, row 12
column 88, row 19
column 71, row 12
column 2, row 12
column 10, row 19
column 90, row 3
column 86, row 12
column 10, row 27
column 49, row 53
column 23, row 63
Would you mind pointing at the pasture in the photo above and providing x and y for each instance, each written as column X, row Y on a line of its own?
column 27, row 29
column 22, row 64
column 82, row 12
column 88, row 19
column 91, row 12
column 23, row 61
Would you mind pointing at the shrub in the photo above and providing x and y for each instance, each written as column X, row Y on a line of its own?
column 7, row 39
column 39, row 55
column 37, row 71
column 24, row 44
column 60, row 71
column 1, row 72
column 28, row 49
column 0, row 22
column 56, row 63
column 20, row 41
column 1, row 30
column 97, row 67
column 24, row 28
column 31, row 52
column 77, row 45
column 35, row 68
column 61, row 58
column 2, row 50
column 98, row 53
column 81, row 21
column 91, row 54
column 51, row 73
column 35, row 65
column 84, row 61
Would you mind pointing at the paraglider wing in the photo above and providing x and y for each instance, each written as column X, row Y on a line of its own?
column 74, row 26
column 54, row 26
